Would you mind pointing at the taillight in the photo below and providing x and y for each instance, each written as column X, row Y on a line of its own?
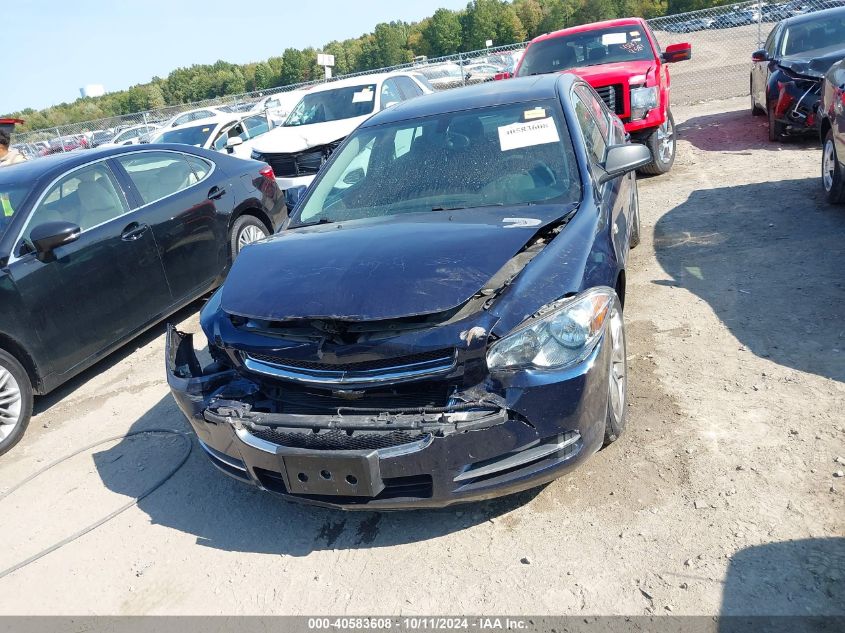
column 267, row 172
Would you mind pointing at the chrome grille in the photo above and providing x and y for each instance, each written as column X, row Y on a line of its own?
column 613, row 97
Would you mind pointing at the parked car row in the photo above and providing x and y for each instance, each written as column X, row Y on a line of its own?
column 751, row 15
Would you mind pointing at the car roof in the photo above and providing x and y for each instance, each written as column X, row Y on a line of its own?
column 358, row 80
column 812, row 17
column 218, row 119
column 592, row 26
column 481, row 95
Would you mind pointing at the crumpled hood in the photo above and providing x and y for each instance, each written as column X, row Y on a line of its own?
column 813, row 63
column 289, row 140
column 377, row 269
column 606, row 74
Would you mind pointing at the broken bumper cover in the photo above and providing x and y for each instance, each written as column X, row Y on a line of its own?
column 545, row 424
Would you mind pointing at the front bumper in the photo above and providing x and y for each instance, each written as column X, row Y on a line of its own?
column 527, row 430
column 796, row 105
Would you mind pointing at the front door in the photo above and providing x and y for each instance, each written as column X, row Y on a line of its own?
column 99, row 289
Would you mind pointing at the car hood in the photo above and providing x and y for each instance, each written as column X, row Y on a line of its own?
column 813, row 63
column 380, row 269
column 289, row 140
column 605, row 74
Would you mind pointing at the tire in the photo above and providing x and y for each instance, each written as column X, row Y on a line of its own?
column 776, row 128
column 635, row 218
column 755, row 109
column 832, row 178
column 662, row 143
column 15, row 401
column 617, row 388
column 246, row 230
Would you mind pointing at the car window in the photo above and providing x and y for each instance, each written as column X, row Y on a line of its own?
column 200, row 167
column 515, row 154
column 196, row 135
column 333, row 105
column 424, row 81
column 126, row 135
column 770, row 41
column 408, row 87
column 157, row 175
column 86, row 197
column 595, row 141
column 256, row 125
column 597, row 108
column 390, row 93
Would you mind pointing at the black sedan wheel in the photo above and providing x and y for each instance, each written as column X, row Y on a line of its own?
column 15, row 401
column 834, row 187
column 617, row 387
column 246, row 230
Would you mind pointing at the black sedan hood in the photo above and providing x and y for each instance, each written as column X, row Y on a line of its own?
column 379, row 269
column 813, row 63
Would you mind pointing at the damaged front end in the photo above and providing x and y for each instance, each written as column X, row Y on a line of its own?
column 797, row 97
column 376, row 429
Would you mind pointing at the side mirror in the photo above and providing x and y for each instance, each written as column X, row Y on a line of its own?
column 760, row 56
column 234, row 141
column 49, row 236
column 500, row 76
column 622, row 159
column 354, row 177
column 677, row 53
column 293, row 196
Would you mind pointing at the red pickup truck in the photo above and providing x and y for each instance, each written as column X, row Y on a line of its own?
column 622, row 60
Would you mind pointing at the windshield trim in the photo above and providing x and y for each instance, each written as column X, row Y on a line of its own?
column 361, row 87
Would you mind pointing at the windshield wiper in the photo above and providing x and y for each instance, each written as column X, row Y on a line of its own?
column 320, row 221
column 479, row 206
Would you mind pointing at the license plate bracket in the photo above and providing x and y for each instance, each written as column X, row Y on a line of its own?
column 333, row 474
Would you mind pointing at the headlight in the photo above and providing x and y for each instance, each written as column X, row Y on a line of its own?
column 254, row 155
column 643, row 100
column 561, row 334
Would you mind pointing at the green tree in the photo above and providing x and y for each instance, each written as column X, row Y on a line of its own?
column 531, row 15
column 294, row 67
column 443, row 34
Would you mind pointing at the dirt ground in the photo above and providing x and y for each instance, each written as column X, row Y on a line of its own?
column 719, row 499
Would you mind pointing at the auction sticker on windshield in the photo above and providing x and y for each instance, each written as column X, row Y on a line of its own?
column 519, row 135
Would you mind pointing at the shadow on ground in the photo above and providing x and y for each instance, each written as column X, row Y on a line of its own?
column 737, row 131
column 788, row 586
column 767, row 257
column 225, row 514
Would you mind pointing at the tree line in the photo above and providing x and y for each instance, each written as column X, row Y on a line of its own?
column 444, row 33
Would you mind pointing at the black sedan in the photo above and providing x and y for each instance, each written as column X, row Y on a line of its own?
column 832, row 133
column 96, row 247
column 786, row 74
column 441, row 318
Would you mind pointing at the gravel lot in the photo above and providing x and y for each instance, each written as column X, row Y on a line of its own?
column 720, row 498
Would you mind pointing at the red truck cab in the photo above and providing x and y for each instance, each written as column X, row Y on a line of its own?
column 621, row 59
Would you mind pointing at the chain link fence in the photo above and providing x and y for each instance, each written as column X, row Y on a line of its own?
column 722, row 39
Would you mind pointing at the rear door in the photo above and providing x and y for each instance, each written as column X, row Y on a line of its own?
column 186, row 201
column 99, row 289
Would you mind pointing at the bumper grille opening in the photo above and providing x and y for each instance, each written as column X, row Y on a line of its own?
column 338, row 440
column 614, row 97
column 306, row 163
column 412, row 487
column 435, row 356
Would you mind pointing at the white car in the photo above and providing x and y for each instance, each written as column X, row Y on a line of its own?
column 324, row 117
column 279, row 105
column 230, row 133
column 131, row 135
column 190, row 116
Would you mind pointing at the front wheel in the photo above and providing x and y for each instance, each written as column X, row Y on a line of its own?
column 617, row 382
column 777, row 129
column 834, row 187
column 15, row 401
column 662, row 143
column 246, row 230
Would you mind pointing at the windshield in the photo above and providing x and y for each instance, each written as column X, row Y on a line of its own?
column 196, row 135
column 591, row 48
column 499, row 156
column 333, row 105
column 12, row 195
column 824, row 32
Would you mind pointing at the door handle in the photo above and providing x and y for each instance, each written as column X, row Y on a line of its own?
column 215, row 193
column 133, row 232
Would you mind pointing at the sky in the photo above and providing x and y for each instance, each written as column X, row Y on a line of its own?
column 58, row 46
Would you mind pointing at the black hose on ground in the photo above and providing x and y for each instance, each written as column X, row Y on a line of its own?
column 187, row 446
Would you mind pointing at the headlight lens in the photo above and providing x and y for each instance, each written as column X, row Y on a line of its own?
column 642, row 101
column 562, row 334
column 256, row 155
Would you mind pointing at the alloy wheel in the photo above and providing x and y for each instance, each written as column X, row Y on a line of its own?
column 618, row 374
column 828, row 165
column 250, row 234
column 10, row 403
column 666, row 141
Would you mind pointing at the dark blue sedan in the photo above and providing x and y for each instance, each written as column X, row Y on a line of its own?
column 440, row 320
